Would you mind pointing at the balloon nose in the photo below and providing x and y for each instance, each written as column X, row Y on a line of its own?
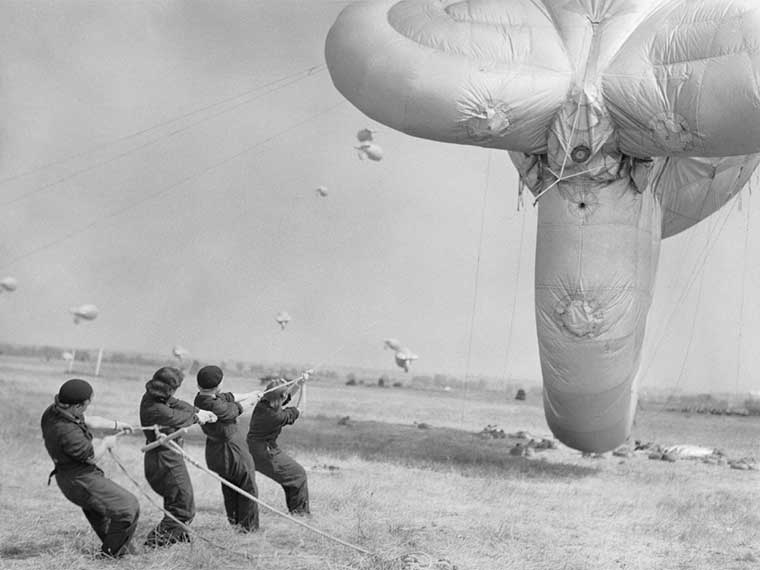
column 596, row 422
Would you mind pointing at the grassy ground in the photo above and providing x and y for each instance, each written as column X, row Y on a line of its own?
column 383, row 483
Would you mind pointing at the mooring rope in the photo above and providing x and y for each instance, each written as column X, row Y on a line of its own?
column 176, row 448
column 184, row 527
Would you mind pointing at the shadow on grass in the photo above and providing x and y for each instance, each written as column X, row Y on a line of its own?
column 25, row 548
column 439, row 449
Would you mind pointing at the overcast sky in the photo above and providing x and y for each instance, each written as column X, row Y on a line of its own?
column 160, row 161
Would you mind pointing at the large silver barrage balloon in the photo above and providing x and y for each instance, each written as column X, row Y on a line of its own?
column 632, row 120
column 84, row 313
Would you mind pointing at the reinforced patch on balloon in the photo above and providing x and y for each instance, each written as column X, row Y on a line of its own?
column 672, row 131
column 581, row 202
column 579, row 316
column 487, row 121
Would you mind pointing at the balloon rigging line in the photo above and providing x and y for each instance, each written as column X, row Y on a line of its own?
column 559, row 178
column 694, row 319
column 678, row 274
column 514, row 298
column 169, row 188
column 687, row 352
column 154, row 127
column 711, row 225
column 700, row 263
column 477, row 280
column 741, row 304
column 567, row 152
column 146, row 144
column 157, row 126
column 573, row 175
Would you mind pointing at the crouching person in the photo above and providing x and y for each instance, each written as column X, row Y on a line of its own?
column 269, row 417
column 165, row 469
column 111, row 510
column 226, row 452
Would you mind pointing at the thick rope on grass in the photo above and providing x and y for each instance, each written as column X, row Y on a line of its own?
column 184, row 527
column 176, row 448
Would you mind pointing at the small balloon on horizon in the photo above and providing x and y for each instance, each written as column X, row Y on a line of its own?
column 84, row 313
column 404, row 358
column 403, row 355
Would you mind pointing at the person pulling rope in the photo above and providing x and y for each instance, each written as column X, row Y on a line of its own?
column 177, row 449
column 169, row 515
column 165, row 472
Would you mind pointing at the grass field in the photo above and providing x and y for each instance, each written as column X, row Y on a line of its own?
column 381, row 482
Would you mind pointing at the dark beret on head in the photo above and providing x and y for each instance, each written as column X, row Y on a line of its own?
column 210, row 377
column 74, row 391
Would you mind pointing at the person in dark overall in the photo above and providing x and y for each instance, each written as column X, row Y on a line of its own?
column 111, row 510
column 269, row 416
column 165, row 469
column 226, row 452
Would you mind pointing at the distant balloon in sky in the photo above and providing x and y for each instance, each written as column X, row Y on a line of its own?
column 180, row 352
column 321, row 191
column 365, row 135
column 630, row 120
column 370, row 150
column 404, row 358
column 84, row 313
column 282, row 319
column 8, row 284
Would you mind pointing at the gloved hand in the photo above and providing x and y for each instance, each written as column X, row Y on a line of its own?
column 123, row 426
column 205, row 417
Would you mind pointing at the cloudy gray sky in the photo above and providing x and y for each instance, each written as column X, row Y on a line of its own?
column 160, row 159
